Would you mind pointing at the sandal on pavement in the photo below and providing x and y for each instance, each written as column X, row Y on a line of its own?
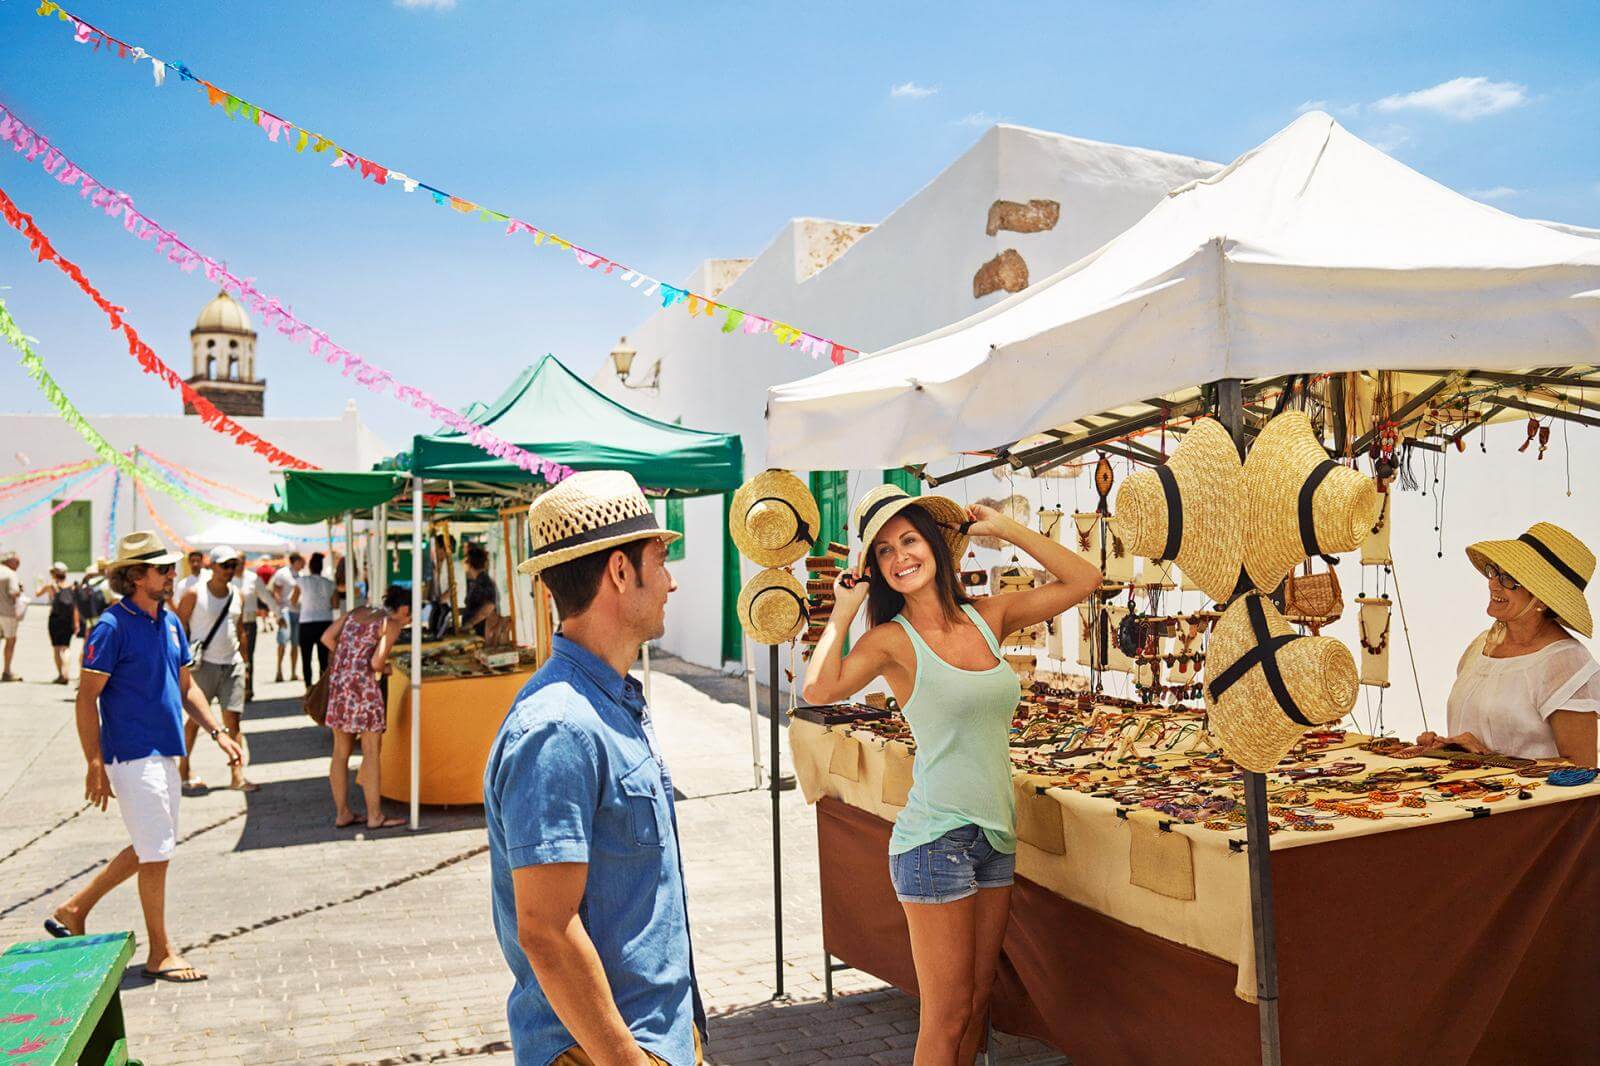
column 195, row 784
column 10, row 677
column 56, row 929
column 354, row 818
column 387, row 823
column 180, row 975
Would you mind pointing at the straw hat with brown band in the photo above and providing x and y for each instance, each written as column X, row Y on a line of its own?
column 1551, row 564
column 772, row 607
column 141, row 548
column 773, row 518
column 1268, row 684
column 1298, row 503
column 587, row 513
column 1189, row 511
column 874, row 509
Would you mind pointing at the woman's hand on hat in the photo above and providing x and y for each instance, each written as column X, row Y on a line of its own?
column 848, row 596
column 983, row 521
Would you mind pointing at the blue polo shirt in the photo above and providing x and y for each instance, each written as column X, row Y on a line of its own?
column 141, row 707
column 575, row 775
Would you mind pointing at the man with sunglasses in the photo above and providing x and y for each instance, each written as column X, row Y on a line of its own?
column 214, row 613
column 133, row 690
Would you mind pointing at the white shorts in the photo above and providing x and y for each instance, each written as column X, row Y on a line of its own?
column 147, row 793
column 8, row 627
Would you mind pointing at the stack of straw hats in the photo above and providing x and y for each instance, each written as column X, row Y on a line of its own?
column 773, row 520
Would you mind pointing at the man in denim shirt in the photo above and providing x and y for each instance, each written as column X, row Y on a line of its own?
column 586, row 877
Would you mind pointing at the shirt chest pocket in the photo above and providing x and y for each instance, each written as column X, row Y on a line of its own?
column 645, row 805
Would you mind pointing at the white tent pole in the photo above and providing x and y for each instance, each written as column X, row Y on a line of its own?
column 349, row 561
column 416, row 649
column 644, row 652
column 755, row 715
column 382, row 554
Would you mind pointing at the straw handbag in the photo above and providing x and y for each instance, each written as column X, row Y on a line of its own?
column 1311, row 599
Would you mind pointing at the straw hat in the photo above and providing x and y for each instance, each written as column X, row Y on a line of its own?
column 1191, row 510
column 586, row 513
column 772, row 607
column 1550, row 563
column 875, row 509
column 1267, row 685
column 1298, row 502
column 141, row 548
column 773, row 518
column 58, row 567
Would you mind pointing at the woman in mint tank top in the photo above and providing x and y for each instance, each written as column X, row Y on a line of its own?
column 952, row 853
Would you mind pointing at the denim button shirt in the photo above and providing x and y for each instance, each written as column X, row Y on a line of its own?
column 575, row 775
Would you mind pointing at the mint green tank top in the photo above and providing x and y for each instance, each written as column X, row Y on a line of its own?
column 961, row 774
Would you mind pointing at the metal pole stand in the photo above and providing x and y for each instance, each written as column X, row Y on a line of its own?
column 777, row 829
column 1259, row 838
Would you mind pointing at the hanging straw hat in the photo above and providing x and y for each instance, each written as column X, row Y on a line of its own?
column 1190, row 511
column 1551, row 564
column 1299, row 503
column 1267, row 685
column 586, row 513
column 142, row 548
column 772, row 607
column 874, row 509
column 773, row 518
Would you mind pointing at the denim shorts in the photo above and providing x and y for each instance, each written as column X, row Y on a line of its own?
column 953, row 867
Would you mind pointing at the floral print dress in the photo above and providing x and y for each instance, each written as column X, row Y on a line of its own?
column 355, row 700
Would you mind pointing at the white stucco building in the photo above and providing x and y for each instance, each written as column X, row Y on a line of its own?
column 223, row 347
column 1015, row 208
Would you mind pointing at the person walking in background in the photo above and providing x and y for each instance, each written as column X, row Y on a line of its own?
column 313, row 598
column 132, row 694
column 91, row 598
column 11, row 607
column 361, row 641
column 282, row 588
column 482, row 602
column 62, row 596
column 194, row 569
column 256, row 607
column 213, row 613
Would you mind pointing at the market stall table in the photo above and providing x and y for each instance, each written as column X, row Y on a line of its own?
column 460, row 716
column 1131, row 926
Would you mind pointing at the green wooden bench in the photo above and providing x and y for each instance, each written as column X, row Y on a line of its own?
column 59, row 1002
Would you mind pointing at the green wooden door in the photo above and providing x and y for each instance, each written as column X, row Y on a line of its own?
column 905, row 479
column 732, row 634
column 832, row 491
column 674, row 521
column 70, row 536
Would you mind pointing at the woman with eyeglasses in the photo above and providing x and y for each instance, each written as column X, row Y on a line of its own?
column 1526, row 686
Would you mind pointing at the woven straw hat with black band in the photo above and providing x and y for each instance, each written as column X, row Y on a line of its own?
column 142, row 548
column 772, row 607
column 1189, row 510
column 1298, row 503
column 773, row 518
column 874, row 510
column 1268, row 684
column 586, row 513
column 1552, row 564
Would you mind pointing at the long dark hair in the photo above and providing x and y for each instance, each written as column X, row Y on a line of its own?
column 883, row 602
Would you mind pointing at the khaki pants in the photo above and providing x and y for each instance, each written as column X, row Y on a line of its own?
column 576, row 1056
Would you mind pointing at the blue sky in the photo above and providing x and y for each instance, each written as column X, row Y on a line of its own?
column 665, row 134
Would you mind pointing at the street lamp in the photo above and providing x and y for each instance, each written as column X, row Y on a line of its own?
column 622, row 357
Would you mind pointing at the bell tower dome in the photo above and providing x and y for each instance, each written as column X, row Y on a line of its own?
column 223, row 347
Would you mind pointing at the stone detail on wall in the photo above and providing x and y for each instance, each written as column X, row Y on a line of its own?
column 1005, row 271
column 236, row 398
column 1035, row 216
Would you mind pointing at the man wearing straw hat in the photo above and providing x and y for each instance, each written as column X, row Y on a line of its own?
column 586, row 877
column 132, row 692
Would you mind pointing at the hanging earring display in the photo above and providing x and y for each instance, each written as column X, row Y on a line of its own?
column 1119, row 568
column 1086, row 539
column 1050, row 522
column 1374, row 623
column 1375, row 549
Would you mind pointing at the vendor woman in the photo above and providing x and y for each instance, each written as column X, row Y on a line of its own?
column 952, row 852
column 1526, row 687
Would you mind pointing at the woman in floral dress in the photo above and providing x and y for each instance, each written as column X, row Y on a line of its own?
column 361, row 641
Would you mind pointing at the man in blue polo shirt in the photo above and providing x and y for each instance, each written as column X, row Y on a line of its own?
column 132, row 692
column 585, row 873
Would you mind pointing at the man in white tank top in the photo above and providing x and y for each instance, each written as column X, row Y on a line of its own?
column 214, row 612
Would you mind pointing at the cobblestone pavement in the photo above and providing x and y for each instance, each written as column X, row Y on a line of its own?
column 339, row 946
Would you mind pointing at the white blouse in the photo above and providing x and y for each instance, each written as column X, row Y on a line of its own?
column 1507, row 703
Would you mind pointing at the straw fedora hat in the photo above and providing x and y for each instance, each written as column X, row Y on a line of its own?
column 1268, row 685
column 875, row 508
column 1298, row 502
column 772, row 607
column 773, row 518
column 1190, row 510
column 141, row 548
column 1550, row 563
column 586, row 513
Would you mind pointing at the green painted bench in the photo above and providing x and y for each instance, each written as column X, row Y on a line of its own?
column 59, row 1002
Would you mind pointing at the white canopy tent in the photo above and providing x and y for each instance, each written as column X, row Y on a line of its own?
column 240, row 536
column 1312, row 253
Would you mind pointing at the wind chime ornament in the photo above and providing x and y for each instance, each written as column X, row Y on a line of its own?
column 1050, row 522
column 1103, row 479
column 1374, row 623
column 1375, row 549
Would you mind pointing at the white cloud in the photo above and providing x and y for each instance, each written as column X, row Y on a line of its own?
column 913, row 91
column 979, row 118
column 1462, row 99
column 1311, row 105
column 442, row 5
column 1389, row 139
column 1498, row 192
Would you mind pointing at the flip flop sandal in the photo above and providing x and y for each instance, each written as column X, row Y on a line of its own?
column 347, row 825
column 56, row 929
column 172, row 975
column 387, row 823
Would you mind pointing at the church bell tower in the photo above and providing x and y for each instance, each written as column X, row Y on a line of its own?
column 224, row 350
